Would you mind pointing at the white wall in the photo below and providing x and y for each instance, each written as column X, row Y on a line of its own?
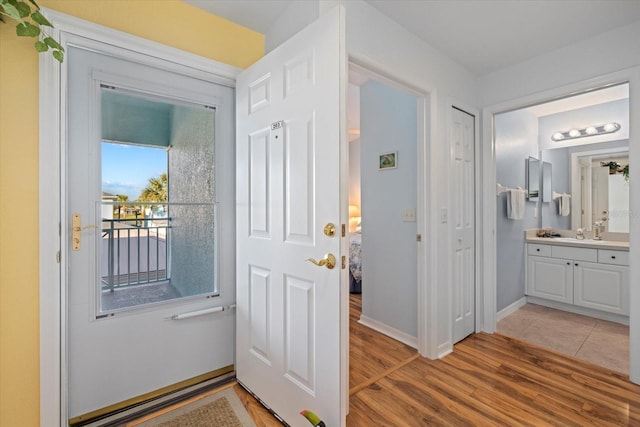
column 388, row 121
column 609, row 52
column 583, row 65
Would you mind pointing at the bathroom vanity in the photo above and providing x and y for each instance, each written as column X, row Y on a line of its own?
column 587, row 274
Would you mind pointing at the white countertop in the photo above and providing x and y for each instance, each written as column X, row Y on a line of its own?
column 586, row 243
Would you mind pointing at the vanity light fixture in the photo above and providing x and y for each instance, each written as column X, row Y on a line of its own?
column 589, row 131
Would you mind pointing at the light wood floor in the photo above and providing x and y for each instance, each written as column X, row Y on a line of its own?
column 488, row 380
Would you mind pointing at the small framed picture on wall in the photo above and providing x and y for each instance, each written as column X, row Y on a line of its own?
column 388, row 160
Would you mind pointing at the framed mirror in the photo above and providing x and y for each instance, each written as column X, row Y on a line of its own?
column 533, row 179
column 546, row 189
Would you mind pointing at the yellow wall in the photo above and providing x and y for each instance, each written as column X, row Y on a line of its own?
column 170, row 22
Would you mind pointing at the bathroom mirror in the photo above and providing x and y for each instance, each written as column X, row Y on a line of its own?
column 533, row 179
column 596, row 194
column 546, row 189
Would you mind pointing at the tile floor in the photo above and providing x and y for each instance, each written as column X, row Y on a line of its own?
column 597, row 341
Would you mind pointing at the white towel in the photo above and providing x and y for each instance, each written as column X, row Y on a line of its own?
column 564, row 205
column 515, row 203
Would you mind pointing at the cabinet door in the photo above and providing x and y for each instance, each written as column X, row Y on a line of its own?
column 601, row 286
column 550, row 278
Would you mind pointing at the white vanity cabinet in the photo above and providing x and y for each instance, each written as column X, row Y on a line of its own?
column 586, row 277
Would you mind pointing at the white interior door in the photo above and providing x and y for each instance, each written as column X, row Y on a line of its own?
column 288, row 189
column 463, row 142
column 118, row 352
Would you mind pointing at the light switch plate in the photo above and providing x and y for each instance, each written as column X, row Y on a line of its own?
column 409, row 215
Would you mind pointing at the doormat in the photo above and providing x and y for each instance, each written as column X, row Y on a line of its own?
column 222, row 409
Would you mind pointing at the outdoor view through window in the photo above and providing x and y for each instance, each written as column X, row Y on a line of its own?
column 158, row 211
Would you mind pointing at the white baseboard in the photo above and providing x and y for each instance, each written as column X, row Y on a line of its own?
column 387, row 330
column 510, row 309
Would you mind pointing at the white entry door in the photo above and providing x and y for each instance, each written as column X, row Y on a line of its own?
column 141, row 273
column 463, row 142
column 288, row 189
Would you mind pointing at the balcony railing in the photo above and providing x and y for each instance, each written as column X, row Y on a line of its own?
column 134, row 252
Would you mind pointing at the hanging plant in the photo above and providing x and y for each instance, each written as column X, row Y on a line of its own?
column 625, row 173
column 30, row 21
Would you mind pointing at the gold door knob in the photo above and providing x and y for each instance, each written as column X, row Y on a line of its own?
column 329, row 261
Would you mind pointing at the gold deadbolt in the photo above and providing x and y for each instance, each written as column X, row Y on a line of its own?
column 328, row 261
column 330, row 230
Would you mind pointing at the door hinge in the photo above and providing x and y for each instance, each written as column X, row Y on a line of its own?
column 58, row 257
column 344, row 230
column 419, row 238
column 344, row 262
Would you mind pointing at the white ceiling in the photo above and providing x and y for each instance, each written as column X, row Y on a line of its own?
column 481, row 35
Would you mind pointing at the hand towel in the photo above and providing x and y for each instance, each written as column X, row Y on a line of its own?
column 515, row 203
column 564, row 205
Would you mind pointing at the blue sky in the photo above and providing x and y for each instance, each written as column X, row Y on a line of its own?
column 126, row 169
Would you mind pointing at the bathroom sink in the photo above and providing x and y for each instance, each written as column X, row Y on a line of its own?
column 574, row 240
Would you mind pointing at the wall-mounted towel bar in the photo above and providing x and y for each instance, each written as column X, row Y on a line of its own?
column 501, row 189
column 556, row 196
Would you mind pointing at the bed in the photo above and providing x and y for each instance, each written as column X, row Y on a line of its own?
column 355, row 262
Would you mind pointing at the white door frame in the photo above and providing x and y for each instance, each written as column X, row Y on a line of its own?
column 426, row 259
column 489, row 287
column 53, row 224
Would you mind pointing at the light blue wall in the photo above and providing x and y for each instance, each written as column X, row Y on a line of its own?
column 388, row 120
column 595, row 115
column 516, row 139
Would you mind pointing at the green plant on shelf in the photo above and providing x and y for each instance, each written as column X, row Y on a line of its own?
column 614, row 167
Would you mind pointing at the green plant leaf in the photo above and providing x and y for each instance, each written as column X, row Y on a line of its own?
column 58, row 55
column 40, row 19
column 41, row 46
column 35, row 4
column 51, row 42
column 23, row 8
column 26, row 29
column 11, row 11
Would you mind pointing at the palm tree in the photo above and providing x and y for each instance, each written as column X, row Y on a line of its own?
column 156, row 190
column 118, row 207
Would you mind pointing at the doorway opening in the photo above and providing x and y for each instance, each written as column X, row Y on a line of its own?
column 564, row 294
column 384, row 219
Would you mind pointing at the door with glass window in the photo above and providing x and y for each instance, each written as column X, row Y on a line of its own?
column 150, row 283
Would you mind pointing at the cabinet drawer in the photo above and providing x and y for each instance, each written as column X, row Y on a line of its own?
column 577, row 254
column 607, row 256
column 540, row 250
